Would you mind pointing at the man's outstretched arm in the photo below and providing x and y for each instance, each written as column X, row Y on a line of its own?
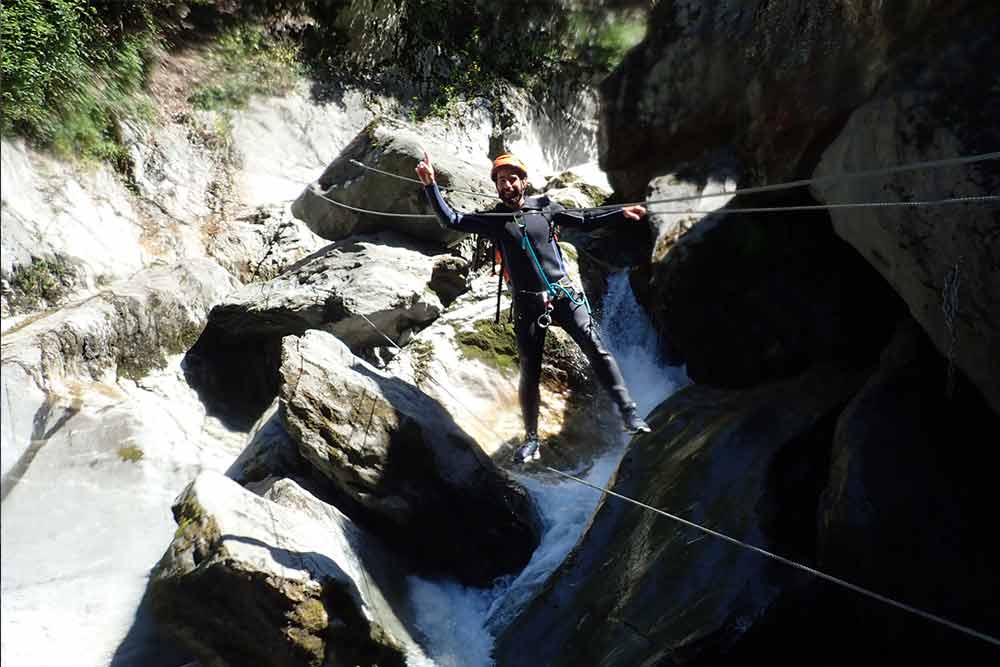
column 447, row 216
column 578, row 219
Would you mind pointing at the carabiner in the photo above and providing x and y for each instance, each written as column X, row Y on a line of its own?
column 545, row 319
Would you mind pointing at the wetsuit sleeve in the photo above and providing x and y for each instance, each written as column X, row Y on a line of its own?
column 462, row 222
column 587, row 218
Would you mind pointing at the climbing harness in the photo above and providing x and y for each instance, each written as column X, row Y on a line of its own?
column 554, row 290
column 732, row 540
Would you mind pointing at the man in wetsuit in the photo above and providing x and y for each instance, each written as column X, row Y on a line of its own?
column 523, row 227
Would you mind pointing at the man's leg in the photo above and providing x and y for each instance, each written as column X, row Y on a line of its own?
column 578, row 323
column 530, row 343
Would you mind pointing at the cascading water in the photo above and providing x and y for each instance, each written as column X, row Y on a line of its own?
column 459, row 624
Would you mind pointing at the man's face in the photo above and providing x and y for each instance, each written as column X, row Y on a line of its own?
column 510, row 186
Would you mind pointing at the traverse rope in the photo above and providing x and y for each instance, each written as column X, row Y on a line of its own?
column 732, row 540
column 721, row 211
column 867, row 173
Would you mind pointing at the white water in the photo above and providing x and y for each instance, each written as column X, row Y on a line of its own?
column 459, row 623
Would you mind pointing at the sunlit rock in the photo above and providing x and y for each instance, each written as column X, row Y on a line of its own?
column 400, row 463
column 394, row 147
column 282, row 580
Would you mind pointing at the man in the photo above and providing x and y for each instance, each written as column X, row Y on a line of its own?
column 523, row 230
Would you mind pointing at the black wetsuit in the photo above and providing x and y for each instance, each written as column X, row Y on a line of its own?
column 530, row 291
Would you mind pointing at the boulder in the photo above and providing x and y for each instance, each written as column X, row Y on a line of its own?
column 393, row 147
column 262, row 243
column 712, row 76
column 397, row 462
column 381, row 277
column 641, row 589
column 941, row 260
column 283, row 580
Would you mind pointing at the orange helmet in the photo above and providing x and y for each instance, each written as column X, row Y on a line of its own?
column 508, row 160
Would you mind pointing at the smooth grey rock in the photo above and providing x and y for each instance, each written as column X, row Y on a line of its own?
column 401, row 463
column 379, row 277
column 279, row 581
column 394, row 147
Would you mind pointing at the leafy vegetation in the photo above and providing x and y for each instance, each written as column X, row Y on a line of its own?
column 41, row 281
column 246, row 61
column 70, row 68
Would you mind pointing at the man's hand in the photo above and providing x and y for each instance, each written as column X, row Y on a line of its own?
column 425, row 172
column 634, row 212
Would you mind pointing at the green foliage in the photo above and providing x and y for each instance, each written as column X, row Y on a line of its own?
column 41, row 281
column 247, row 61
column 70, row 68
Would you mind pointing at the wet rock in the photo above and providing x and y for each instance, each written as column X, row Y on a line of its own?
column 639, row 588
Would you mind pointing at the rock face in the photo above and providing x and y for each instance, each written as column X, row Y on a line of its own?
column 639, row 589
column 743, row 300
column 943, row 261
column 397, row 459
column 395, row 148
column 712, row 76
column 888, row 537
column 283, row 580
column 125, row 331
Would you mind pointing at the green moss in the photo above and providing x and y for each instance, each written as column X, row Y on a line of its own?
column 42, row 282
column 130, row 453
column 493, row 344
column 421, row 352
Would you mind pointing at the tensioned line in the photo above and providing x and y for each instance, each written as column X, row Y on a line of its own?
column 868, row 173
column 732, row 540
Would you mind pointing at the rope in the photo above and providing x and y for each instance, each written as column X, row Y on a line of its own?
column 720, row 211
column 845, row 176
column 868, row 173
column 781, row 559
column 732, row 540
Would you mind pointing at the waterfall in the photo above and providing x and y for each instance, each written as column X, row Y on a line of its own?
column 458, row 624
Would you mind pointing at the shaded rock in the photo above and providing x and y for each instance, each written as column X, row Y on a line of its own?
column 743, row 299
column 396, row 148
column 270, row 453
column 911, row 486
column 771, row 82
column 448, row 278
column 639, row 589
column 942, row 260
column 289, row 582
column 398, row 463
